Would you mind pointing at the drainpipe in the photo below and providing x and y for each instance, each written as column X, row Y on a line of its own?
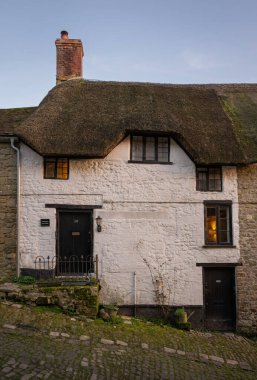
column 135, row 294
column 18, row 206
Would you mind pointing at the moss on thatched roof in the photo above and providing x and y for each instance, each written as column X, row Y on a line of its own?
column 215, row 124
column 10, row 118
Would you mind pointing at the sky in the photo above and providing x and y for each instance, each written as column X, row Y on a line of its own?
column 163, row 41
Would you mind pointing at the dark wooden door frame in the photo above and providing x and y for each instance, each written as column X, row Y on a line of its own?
column 220, row 266
column 73, row 210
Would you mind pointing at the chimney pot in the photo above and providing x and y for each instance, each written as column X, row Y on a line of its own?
column 64, row 35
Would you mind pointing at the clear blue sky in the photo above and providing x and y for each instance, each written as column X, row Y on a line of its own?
column 183, row 41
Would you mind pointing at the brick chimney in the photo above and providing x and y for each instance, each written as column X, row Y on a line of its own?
column 69, row 54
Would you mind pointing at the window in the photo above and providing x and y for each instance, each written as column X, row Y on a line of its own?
column 150, row 148
column 56, row 168
column 209, row 178
column 218, row 229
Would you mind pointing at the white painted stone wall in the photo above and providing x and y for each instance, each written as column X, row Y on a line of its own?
column 152, row 222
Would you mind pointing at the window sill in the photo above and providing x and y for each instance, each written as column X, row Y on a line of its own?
column 219, row 246
column 150, row 162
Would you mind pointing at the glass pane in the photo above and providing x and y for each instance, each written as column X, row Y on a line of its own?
column 224, row 224
column 215, row 179
column 211, row 226
column 150, row 149
column 49, row 168
column 137, row 148
column 202, row 179
column 224, row 237
column 163, row 149
column 62, row 168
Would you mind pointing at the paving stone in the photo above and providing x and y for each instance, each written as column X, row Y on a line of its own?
column 107, row 341
column 216, row 359
column 54, row 334
column 145, row 346
column 10, row 374
column 245, row 366
column 231, row 362
column 169, row 350
column 6, row 369
column 11, row 361
column 23, row 366
column 128, row 322
column 180, row 352
column 65, row 335
column 27, row 376
column 17, row 305
column 84, row 364
column 11, row 327
column 120, row 343
column 84, row 337
column 204, row 357
column 192, row 355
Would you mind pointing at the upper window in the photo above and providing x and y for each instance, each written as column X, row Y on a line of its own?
column 56, row 168
column 209, row 178
column 218, row 229
column 150, row 148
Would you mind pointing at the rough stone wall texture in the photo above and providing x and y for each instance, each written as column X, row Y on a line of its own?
column 8, row 232
column 152, row 222
column 247, row 274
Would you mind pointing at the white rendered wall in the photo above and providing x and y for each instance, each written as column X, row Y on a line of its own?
column 152, row 222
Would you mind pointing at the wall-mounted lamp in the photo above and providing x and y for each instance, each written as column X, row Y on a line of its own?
column 99, row 223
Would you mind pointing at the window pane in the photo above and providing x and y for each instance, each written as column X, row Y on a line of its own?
column 49, row 168
column 215, row 179
column 201, row 174
column 137, row 148
column 62, row 168
column 163, row 149
column 211, row 225
column 224, row 225
column 150, row 149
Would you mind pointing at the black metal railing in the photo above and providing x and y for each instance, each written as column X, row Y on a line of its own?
column 66, row 266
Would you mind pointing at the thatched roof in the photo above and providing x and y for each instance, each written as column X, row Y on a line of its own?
column 10, row 118
column 215, row 124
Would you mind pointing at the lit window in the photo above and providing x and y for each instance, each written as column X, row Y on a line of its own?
column 150, row 148
column 209, row 178
column 56, row 168
column 218, row 229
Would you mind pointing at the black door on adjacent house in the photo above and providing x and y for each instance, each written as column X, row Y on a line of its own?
column 219, row 298
column 74, row 242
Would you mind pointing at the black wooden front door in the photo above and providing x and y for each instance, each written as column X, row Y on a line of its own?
column 74, row 243
column 219, row 297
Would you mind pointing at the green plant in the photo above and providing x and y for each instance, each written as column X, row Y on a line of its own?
column 24, row 280
column 115, row 320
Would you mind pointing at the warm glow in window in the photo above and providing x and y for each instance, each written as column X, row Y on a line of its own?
column 218, row 224
column 56, row 168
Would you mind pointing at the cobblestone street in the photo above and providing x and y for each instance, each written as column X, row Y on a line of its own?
column 116, row 352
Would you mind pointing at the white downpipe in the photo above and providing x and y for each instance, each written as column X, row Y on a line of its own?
column 135, row 294
column 18, row 206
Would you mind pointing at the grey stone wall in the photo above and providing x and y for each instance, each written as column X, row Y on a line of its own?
column 8, row 231
column 247, row 274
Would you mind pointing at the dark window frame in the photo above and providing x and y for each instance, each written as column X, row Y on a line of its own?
column 208, row 167
column 144, row 136
column 217, row 205
column 55, row 160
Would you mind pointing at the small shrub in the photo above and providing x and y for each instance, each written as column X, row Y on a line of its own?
column 24, row 280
